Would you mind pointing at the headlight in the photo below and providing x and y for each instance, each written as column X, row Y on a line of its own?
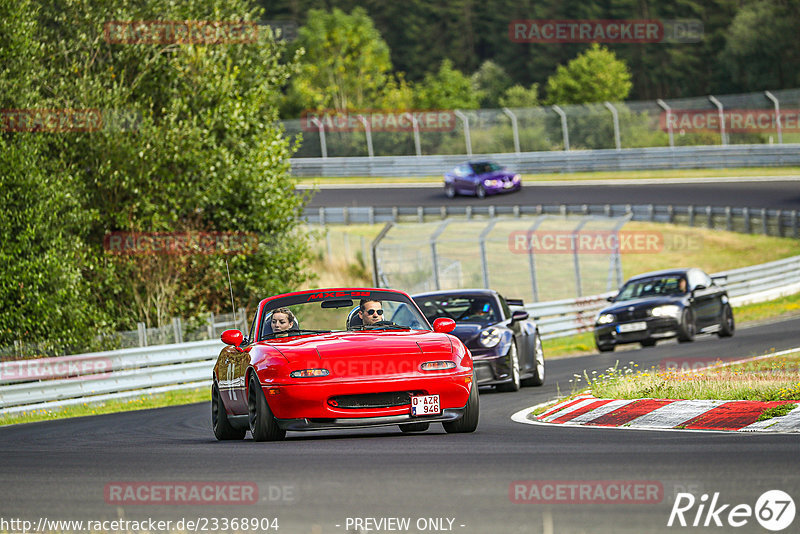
column 309, row 373
column 439, row 365
column 605, row 318
column 516, row 178
column 490, row 182
column 489, row 338
column 668, row 310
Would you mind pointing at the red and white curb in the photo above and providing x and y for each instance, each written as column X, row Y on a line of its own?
column 663, row 414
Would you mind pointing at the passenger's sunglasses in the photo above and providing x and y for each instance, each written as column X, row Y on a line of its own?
column 373, row 312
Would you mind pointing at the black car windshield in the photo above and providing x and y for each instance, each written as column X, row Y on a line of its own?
column 486, row 166
column 650, row 287
column 462, row 309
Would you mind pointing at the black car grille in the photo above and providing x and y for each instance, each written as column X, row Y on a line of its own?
column 374, row 400
column 625, row 315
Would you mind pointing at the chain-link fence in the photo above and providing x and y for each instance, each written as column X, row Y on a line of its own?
column 539, row 258
column 752, row 118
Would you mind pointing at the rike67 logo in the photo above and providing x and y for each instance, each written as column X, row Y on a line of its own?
column 774, row 510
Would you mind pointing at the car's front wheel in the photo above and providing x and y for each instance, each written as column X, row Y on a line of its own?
column 449, row 190
column 223, row 430
column 480, row 192
column 605, row 348
column 726, row 325
column 468, row 421
column 538, row 371
column 263, row 426
column 687, row 328
column 513, row 365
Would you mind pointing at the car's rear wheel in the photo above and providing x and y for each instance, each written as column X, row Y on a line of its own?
column 538, row 371
column 415, row 427
column 726, row 324
column 480, row 192
column 449, row 191
column 648, row 343
column 687, row 329
column 223, row 430
column 513, row 364
column 263, row 426
column 468, row 421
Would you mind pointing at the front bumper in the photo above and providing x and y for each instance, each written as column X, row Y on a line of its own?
column 447, row 415
column 496, row 189
column 309, row 402
column 491, row 369
column 656, row 328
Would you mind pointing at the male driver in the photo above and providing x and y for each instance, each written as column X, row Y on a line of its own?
column 370, row 312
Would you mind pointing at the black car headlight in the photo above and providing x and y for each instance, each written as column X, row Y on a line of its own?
column 490, row 337
column 605, row 318
column 667, row 310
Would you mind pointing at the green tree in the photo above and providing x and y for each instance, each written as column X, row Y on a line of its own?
column 447, row 88
column 346, row 63
column 206, row 153
column 490, row 82
column 518, row 96
column 594, row 76
column 761, row 47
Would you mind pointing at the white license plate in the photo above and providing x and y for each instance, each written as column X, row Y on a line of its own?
column 632, row 327
column 425, row 405
column 508, row 185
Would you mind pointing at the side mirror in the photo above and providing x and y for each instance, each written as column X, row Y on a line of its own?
column 519, row 315
column 232, row 337
column 610, row 298
column 443, row 325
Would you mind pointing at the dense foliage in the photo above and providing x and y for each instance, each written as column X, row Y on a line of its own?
column 746, row 45
column 189, row 143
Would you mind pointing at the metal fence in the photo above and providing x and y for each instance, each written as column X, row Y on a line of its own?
column 779, row 223
column 738, row 119
column 539, row 258
column 50, row 383
column 701, row 157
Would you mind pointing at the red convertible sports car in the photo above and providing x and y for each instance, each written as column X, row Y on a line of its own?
column 341, row 358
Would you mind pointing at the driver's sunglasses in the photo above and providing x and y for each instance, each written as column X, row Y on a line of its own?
column 373, row 312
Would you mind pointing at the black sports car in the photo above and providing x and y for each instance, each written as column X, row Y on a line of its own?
column 505, row 345
column 664, row 304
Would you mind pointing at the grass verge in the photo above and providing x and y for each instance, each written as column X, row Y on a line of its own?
column 768, row 379
column 144, row 402
column 547, row 177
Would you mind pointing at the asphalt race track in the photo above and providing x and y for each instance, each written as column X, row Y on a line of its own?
column 771, row 194
column 313, row 482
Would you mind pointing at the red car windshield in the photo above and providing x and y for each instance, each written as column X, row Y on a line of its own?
column 329, row 311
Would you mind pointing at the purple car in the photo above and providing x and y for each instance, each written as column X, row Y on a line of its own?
column 480, row 178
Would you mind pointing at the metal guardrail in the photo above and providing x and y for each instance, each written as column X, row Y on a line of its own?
column 781, row 223
column 574, row 316
column 47, row 381
column 688, row 157
column 51, row 382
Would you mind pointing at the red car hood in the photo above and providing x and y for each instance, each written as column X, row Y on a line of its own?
column 365, row 353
